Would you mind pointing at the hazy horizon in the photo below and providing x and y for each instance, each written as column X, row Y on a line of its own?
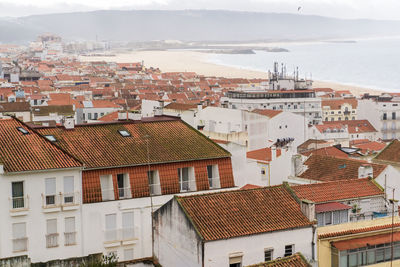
column 355, row 9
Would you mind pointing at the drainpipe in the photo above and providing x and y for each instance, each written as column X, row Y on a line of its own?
column 202, row 253
column 313, row 242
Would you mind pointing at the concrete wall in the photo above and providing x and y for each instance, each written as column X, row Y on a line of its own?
column 176, row 241
column 253, row 246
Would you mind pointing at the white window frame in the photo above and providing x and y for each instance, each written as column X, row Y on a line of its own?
column 154, row 182
column 70, row 231
column 107, row 187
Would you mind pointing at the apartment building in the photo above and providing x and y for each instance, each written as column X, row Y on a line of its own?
column 339, row 109
column 131, row 169
column 40, row 191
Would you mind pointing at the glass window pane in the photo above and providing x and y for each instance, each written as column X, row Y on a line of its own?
column 371, row 256
column 353, row 260
column 343, row 216
column 336, row 217
column 380, row 255
column 17, row 189
column 343, row 260
column 320, row 219
column 328, row 218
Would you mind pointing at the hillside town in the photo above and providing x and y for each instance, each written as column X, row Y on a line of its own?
column 181, row 169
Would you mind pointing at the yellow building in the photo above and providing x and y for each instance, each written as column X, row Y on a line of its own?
column 362, row 243
column 339, row 109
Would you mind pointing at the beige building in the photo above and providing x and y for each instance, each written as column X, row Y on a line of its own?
column 339, row 109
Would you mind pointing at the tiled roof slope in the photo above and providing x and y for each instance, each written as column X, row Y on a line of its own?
column 263, row 154
column 337, row 190
column 243, row 212
column 326, row 168
column 355, row 126
column 270, row 113
column 29, row 152
column 180, row 106
column 327, row 151
column 391, row 152
column 296, row 260
column 101, row 145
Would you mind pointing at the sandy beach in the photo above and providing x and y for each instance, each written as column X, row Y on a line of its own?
column 171, row 61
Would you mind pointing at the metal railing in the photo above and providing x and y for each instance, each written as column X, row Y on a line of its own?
column 122, row 234
column 155, row 189
column 18, row 203
column 70, row 238
column 51, row 240
column 20, row 244
column 124, row 192
column 214, row 183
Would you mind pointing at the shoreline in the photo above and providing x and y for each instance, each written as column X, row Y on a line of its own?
column 190, row 61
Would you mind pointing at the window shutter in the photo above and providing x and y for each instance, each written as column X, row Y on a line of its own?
column 50, row 186
column 70, row 224
column 68, row 184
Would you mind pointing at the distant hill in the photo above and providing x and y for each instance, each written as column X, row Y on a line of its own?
column 190, row 25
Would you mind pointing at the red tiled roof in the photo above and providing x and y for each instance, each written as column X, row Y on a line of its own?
column 101, row 145
column 30, row 152
column 250, row 186
column 359, row 230
column 332, row 206
column 354, row 126
column 337, row 103
column 370, row 147
column 270, row 113
column 237, row 213
column 337, row 190
column 263, row 154
column 326, row 168
column 391, row 153
column 327, row 151
column 296, row 260
column 180, row 106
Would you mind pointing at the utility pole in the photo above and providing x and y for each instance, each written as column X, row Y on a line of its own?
column 391, row 236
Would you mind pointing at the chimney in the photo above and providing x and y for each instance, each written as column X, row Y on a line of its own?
column 135, row 115
column 122, row 115
column 200, row 106
column 69, row 122
column 308, row 209
column 365, row 170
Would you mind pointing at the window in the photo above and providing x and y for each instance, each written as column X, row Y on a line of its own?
column 268, row 254
column 50, row 191
column 127, row 225
column 107, row 188
column 124, row 189
column 154, row 183
column 17, row 193
column 52, row 235
column 124, row 133
column 111, row 227
column 68, row 197
column 213, row 176
column 235, row 261
column 384, row 116
column 393, row 115
column 20, row 241
column 22, row 130
column 51, row 138
column 95, row 116
column 70, row 234
column 289, row 249
column 185, row 183
column 89, row 116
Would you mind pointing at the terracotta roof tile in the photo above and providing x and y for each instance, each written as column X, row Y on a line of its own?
column 29, row 152
column 332, row 206
column 337, row 190
column 337, row 103
column 391, row 153
column 296, row 260
column 327, row 151
column 358, row 230
column 101, row 145
column 326, row 168
column 354, row 126
column 243, row 212
column 263, row 154
column 180, row 106
column 270, row 113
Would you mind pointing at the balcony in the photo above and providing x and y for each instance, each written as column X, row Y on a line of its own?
column 20, row 244
column 19, row 205
column 67, row 201
column 52, row 240
column 70, row 239
column 214, row 183
column 124, row 193
column 155, row 189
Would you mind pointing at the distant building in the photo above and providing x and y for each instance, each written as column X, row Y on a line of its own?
column 339, row 109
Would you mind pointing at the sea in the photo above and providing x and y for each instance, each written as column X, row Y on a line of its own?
column 369, row 63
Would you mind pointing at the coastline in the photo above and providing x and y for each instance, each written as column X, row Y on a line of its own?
column 177, row 61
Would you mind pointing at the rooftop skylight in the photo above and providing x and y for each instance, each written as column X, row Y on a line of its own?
column 22, row 130
column 51, row 138
column 124, row 133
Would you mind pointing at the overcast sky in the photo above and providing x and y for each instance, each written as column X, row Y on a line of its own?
column 375, row 9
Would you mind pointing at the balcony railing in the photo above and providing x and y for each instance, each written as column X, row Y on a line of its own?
column 50, row 201
column 20, row 244
column 155, row 189
column 52, row 240
column 19, row 203
column 123, row 234
column 124, row 192
column 70, row 198
column 107, row 194
column 214, row 183
column 70, row 238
